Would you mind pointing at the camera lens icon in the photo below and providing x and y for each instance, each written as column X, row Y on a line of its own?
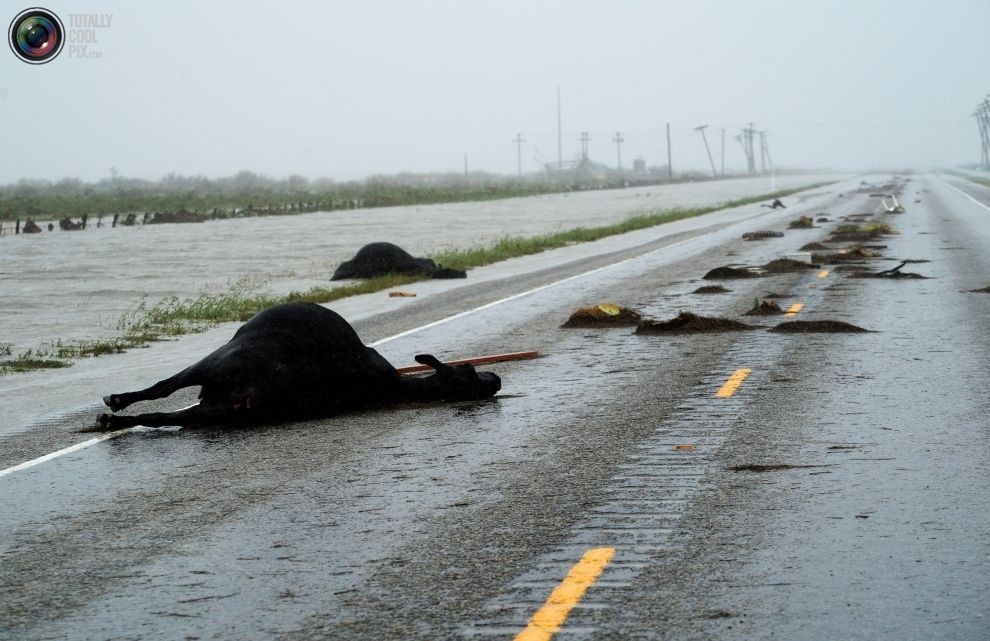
column 36, row 35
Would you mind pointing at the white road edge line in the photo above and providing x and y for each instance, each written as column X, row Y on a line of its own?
column 63, row 452
column 951, row 186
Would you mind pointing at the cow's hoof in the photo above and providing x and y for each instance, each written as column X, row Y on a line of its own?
column 113, row 402
column 102, row 424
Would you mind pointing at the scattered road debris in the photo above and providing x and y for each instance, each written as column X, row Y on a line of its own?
column 764, row 308
column 477, row 360
column 690, row 323
column 788, row 265
column 817, row 326
column 711, row 289
column 603, row 315
column 761, row 235
column 725, row 272
column 804, row 222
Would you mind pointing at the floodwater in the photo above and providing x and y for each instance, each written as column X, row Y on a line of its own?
column 73, row 286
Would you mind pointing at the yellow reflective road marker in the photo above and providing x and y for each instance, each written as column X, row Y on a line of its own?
column 733, row 383
column 794, row 309
column 548, row 619
column 823, row 273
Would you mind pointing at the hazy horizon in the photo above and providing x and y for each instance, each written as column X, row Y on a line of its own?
column 349, row 90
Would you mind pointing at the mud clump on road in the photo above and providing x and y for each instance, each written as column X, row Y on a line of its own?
column 712, row 289
column 804, row 222
column 764, row 308
column 813, row 247
column 982, row 290
column 787, row 266
column 690, row 323
column 894, row 272
column 858, row 233
column 725, row 272
column 762, row 235
column 817, row 327
column 854, row 253
column 604, row 315
column 770, row 467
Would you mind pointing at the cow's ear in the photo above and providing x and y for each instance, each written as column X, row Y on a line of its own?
column 431, row 360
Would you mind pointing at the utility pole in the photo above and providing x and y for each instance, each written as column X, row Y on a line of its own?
column 584, row 139
column 670, row 165
column 704, row 138
column 745, row 139
column 766, row 151
column 982, row 114
column 723, row 152
column 560, row 137
column 519, row 141
column 618, row 140
column 763, row 152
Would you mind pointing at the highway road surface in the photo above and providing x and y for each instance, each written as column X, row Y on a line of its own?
column 736, row 485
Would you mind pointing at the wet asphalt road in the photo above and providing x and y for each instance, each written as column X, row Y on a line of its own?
column 457, row 521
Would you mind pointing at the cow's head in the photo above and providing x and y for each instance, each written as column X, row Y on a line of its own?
column 456, row 382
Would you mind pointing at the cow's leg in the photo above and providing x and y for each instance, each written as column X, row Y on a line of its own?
column 199, row 415
column 161, row 389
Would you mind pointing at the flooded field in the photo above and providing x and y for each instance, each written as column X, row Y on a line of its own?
column 77, row 285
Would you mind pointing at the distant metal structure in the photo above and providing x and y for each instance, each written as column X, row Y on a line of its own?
column 745, row 139
column 618, row 140
column 982, row 115
column 584, row 139
column 723, row 152
column 519, row 141
column 670, row 164
column 707, row 149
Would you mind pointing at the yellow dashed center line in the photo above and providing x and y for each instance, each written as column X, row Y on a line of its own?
column 548, row 619
column 823, row 273
column 794, row 309
column 733, row 383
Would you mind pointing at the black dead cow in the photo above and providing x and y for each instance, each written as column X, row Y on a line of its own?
column 296, row 361
column 379, row 259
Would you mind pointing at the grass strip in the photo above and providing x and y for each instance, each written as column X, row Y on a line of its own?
column 173, row 317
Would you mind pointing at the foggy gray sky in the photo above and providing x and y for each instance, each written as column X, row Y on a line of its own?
column 348, row 89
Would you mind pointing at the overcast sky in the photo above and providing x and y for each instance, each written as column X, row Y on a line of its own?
column 349, row 89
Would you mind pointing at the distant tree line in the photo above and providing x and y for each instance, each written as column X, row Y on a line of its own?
column 249, row 192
